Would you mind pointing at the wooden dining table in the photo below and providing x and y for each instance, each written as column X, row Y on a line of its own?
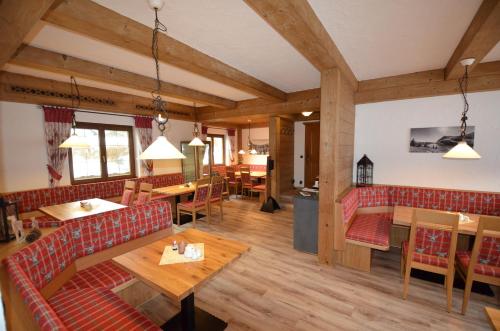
column 255, row 174
column 175, row 190
column 71, row 210
column 180, row 281
column 402, row 216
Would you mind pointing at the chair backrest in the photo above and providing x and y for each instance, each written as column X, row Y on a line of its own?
column 245, row 168
column 145, row 193
column 245, row 177
column 434, row 233
column 128, row 193
column 487, row 243
column 202, row 190
column 217, row 187
column 231, row 175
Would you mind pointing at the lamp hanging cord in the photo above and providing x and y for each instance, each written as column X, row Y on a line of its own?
column 73, row 97
column 464, row 84
column 158, row 103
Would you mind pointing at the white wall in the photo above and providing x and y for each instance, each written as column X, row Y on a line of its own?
column 383, row 132
column 23, row 157
column 259, row 136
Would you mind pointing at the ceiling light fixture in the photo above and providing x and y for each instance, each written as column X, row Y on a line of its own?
column 462, row 150
column 74, row 140
column 196, row 142
column 161, row 148
column 307, row 113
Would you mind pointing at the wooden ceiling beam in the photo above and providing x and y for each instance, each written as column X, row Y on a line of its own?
column 308, row 100
column 17, row 18
column 299, row 25
column 29, row 56
column 34, row 90
column 91, row 19
column 486, row 77
column 481, row 36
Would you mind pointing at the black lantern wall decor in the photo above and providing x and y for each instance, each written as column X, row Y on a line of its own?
column 364, row 172
column 7, row 208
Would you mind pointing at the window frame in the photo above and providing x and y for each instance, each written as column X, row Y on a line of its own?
column 102, row 151
column 214, row 135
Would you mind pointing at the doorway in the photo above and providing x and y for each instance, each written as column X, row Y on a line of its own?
column 311, row 162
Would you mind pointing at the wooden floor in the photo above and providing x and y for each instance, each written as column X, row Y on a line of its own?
column 274, row 287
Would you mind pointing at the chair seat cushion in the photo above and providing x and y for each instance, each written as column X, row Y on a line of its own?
column 426, row 258
column 97, row 309
column 43, row 222
column 105, row 274
column 486, row 269
column 190, row 205
column 261, row 187
column 371, row 228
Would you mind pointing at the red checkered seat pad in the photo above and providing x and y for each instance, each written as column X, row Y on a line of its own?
column 488, row 260
column 43, row 222
column 105, row 274
column 371, row 228
column 425, row 258
column 97, row 309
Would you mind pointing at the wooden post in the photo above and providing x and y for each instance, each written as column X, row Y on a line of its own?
column 274, row 147
column 239, row 142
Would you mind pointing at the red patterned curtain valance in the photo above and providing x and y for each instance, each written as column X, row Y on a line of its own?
column 58, row 114
column 143, row 122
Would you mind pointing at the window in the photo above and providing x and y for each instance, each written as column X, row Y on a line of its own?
column 218, row 148
column 110, row 156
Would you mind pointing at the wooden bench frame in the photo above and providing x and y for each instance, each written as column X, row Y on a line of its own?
column 17, row 315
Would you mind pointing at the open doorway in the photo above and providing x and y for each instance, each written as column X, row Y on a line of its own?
column 311, row 166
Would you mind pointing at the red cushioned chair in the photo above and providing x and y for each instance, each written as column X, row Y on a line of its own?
column 233, row 181
column 432, row 246
column 483, row 263
column 200, row 202
column 128, row 193
column 246, row 181
column 145, row 193
column 216, row 195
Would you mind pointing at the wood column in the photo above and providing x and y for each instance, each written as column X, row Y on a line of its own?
column 281, row 151
column 274, row 147
column 239, row 143
column 335, row 160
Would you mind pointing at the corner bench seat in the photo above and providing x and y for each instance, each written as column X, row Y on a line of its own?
column 43, row 222
column 97, row 309
column 105, row 274
column 371, row 229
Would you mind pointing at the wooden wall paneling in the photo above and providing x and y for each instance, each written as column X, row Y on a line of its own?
column 481, row 36
column 240, row 144
column 16, row 20
column 286, row 153
column 33, row 90
column 274, row 147
column 41, row 59
column 354, row 256
column 91, row 19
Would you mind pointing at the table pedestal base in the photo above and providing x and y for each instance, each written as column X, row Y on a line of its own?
column 192, row 318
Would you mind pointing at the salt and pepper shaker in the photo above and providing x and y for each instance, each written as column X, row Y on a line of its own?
column 182, row 247
column 174, row 246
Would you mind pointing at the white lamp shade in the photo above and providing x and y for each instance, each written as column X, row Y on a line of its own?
column 253, row 151
column 462, row 151
column 196, row 142
column 75, row 141
column 161, row 149
column 307, row 113
column 156, row 4
column 241, row 152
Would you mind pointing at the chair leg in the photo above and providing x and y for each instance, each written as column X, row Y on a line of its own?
column 449, row 291
column 402, row 262
column 406, row 283
column 221, row 211
column 193, row 216
column 467, row 289
column 208, row 214
column 178, row 216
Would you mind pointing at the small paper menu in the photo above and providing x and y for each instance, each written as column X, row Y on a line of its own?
column 170, row 256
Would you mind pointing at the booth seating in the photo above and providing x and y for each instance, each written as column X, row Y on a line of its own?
column 221, row 169
column 367, row 215
column 31, row 200
column 66, row 280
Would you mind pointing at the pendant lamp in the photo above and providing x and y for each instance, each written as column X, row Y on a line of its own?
column 251, row 149
column 462, row 150
column 196, row 142
column 74, row 140
column 307, row 113
column 161, row 148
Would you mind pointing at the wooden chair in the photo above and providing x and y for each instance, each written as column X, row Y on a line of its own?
column 200, row 201
column 128, row 193
column 432, row 246
column 232, row 181
column 246, row 181
column 145, row 193
column 216, row 195
column 483, row 263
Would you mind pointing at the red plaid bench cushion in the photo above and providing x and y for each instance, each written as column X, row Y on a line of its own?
column 373, row 229
column 97, row 309
column 482, row 267
column 43, row 222
column 105, row 274
column 435, row 260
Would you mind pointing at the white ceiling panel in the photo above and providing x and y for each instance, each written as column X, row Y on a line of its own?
column 493, row 55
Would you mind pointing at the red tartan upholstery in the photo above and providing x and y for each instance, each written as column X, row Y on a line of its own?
column 432, row 242
column 253, row 167
column 142, row 198
column 482, row 268
column 97, row 309
column 349, row 205
column 43, row 222
column 220, row 169
column 201, row 194
column 434, row 260
column 35, row 265
column 127, row 197
column 105, row 274
column 373, row 229
column 217, row 190
column 40, row 310
column 31, row 200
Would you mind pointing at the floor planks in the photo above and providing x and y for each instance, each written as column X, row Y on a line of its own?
column 274, row 287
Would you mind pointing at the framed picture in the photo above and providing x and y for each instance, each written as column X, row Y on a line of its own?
column 438, row 139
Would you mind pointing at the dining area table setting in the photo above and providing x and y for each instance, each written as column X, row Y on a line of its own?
column 76, row 209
